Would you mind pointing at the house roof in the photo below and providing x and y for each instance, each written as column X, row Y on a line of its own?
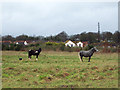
column 76, row 42
column 6, row 41
column 18, row 41
column 70, row 42
column 21, row 41
column 85, row 42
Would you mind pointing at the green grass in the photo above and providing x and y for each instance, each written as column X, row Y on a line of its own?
column 59, row 70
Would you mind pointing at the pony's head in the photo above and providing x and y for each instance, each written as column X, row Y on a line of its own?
column 95, row 49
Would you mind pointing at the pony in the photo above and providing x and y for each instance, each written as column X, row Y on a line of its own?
column 34, row 52
column 88, row 53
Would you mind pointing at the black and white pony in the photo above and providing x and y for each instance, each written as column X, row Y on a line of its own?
column 34, row 52
column 88, row 53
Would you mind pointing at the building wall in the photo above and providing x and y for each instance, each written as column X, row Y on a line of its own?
column 70, row 43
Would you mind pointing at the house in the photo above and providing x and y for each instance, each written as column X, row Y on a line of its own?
column 85, row 44
column 76, row 44
column 6, row 42
column 21, row 42
column 70, row 44
column 80, row 44
column 25, row 43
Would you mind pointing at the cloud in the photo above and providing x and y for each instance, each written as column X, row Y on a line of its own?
column 49, row 18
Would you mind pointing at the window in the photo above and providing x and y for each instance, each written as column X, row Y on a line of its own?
column 79, row 45
column 71, row 45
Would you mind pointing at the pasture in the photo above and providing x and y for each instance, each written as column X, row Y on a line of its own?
column 59, row 70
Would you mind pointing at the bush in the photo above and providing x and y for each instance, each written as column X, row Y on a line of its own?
column 37, row 44
column 32, row 45
column 18, row 47
column 114, row 50
column 3, row 47
column 62, row 48
column 69, row 49
column 11, row 46
column 88, row 47
column 49, row 43
column 52, row 43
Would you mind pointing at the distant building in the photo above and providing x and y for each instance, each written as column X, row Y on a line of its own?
column 6, row 42
column 70, row 44
column 80, row 44
column 21, row 42
column 108, row 45
column 85, row 44
column 25, row 43
column 76, row 43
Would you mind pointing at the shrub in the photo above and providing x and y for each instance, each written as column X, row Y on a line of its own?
column 49, row 43
column 6, row 47
column 52, row 43
column 32, row 45
column 69, row 49
column 18, row 47
column 62, row 48
column 11, row 46
column 3, row 47
column 113, row 50
column 37, row 44
column 89, row 46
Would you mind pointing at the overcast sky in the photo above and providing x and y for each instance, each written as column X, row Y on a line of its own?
column 51, row 18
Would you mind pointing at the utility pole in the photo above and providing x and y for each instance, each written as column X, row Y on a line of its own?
column 98, row 32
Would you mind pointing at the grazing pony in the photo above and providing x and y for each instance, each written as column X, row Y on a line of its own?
column 88, row 53
column 34, row 52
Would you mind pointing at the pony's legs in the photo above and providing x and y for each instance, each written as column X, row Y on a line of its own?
column 81, row 58
column 36, row 57
column 29, row 57
column 89, row 59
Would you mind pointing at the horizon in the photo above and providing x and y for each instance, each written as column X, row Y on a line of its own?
column 51, row 18
column 56, row 34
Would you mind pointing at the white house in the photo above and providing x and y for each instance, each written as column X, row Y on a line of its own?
column 25, row 43
column 21, row 42
column 80, row 44
column 70, row 44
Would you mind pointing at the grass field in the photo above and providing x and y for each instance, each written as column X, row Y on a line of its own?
column 59, row 70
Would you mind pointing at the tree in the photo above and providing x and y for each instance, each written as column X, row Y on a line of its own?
column 63, row 36
column 49, row 38
column 83, row 36
column 106, row 36
column 91, row 37
column 22, row 37
column 75, row 37
column 116, row 37
column 7, row 38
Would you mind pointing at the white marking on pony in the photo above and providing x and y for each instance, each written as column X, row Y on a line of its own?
column 36, row 59
column 36, row 51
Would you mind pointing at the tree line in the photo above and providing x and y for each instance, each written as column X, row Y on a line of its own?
column 91, row 37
